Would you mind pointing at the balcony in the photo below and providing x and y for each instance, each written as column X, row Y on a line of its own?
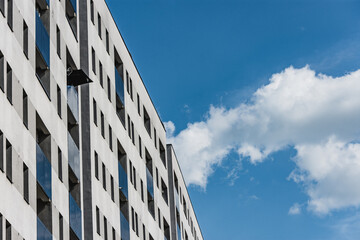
column 75, row 216
column 42, row 232
column 123, row 181
column 125, row 228
column 74, row 156
column 43, row 171
column 150, row 182
column 42, row 40
column 119, row 86
column 73, row 101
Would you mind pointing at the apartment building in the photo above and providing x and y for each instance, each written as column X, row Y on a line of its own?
column 83, row 152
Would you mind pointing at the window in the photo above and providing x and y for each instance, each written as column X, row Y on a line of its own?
column 159, row 217
column 59, row 101
column 157, row 177
column 132, row 133
column 142, row 190
column 93, row 60
column 109, row 88
column 131, row 90
column 138, row 104
column 2, row 62
column 101, row 74
column 1, row 218
column 25, row 109
column 2, row 7
column 107, row 41
column 133, row 219
column 102, row 125
column 162, row 153
column 8, row 160
column 25, row 39
column 94, row 112
column 147, row 122
column 92, row 11
column 104, row 175
column 164, row 191
column 61, row 227
column 110, row 138
column 8, row 230
column 26, row 182
column 144, row 232
column 129, row 127
column 113, row 234
column 71, row 16
column 105, row 229
column 9, row 83
column 10, row 14
column 112, row 188
column 96, row 166
column 136, row 224
column 98, row 220
column 58, row 43
column 131, row 172
column 1, row 151
column 140, row 147
column 99, row 25
column 155, row 139
column 60, row 164
column 127, row 82
column 134, row 176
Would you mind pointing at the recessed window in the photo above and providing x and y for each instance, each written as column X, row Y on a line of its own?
column 140, row 147
column 110, row 138
column 96, row 166
column 8, row 230
column 102, row 125
column 107, row 41
column 92, row 11
column 98, row 220
column 155, row 138
column 2, row 6
column 109, row 88
column 60, row 164
column 25, row 39
column 10, row 14
column 138, row 104
column 99, row 25
column 104, row 175
column 147, row 122
column 1, row 151
column 142, row 189
column 112, row 188
column 101, row 74
column 129, row 126
column 132, row 133
column 26, row 182
column 105, row 229
column 58, row 42
column 61, row 227
column 2, row 63
column 58, row 101
column 25, row 109
column 9, row 160
column 93, row 60
column 94, row 112
column 134, row 176
column 9, row 83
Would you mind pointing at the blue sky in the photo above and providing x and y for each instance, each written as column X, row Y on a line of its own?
column 196, row 54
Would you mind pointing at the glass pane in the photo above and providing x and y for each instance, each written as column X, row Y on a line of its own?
column 43, row 171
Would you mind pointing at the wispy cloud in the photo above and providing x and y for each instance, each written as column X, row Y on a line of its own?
column 295, row 209
column 318, row 115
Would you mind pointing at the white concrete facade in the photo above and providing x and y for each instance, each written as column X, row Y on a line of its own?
column 83, row 152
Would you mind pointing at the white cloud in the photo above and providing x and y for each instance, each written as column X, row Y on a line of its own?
column 318, row 115
column 295, row 209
